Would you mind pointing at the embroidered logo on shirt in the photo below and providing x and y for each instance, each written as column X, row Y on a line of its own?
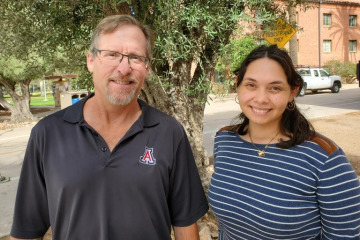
column 148, row 157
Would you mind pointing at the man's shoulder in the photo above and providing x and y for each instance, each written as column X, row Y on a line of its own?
column 54, row 120
column 153, row 115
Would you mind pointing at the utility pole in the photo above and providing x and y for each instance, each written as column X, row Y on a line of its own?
column 293, row 43
column 319, row 32
column 45, row 99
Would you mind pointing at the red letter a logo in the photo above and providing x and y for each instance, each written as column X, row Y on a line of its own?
column 147, row 157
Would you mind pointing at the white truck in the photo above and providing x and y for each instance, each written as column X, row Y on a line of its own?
column 318, row 79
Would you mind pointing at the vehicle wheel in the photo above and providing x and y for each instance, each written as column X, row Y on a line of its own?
column 302, row 91
column 314, row 91
column 335, row 88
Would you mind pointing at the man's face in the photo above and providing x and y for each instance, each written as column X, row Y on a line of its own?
column 119, row 84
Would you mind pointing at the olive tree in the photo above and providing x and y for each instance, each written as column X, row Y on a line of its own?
column 23, row 55
column 189, row 36
column 18, row 72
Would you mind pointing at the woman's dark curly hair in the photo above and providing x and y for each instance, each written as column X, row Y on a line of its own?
column 293, row 124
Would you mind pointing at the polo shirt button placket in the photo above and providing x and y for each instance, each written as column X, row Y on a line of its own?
column 104, row 149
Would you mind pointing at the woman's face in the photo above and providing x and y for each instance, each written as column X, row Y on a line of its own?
column 264, row 93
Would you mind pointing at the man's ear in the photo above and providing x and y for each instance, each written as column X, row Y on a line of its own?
column 90, row 62
column 148, row 69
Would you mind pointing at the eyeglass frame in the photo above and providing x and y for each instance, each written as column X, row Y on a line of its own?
column 147, row 60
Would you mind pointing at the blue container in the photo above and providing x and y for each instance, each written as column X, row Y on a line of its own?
column 75, row 99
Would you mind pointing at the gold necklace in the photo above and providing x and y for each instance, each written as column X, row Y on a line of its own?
column 261, row 153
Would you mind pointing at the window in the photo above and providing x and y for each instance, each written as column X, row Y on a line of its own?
column 323, row 73
column 327, row 19
column 327, row 46
column 352, row 20
column 304, row 72
column 352, row 46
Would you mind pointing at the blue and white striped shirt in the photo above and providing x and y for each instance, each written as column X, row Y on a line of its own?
column 303, row 192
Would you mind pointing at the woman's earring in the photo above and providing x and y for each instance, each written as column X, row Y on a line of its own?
column 236, row 99
column 291, row 105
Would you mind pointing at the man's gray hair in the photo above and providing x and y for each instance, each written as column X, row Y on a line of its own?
column 111, row 23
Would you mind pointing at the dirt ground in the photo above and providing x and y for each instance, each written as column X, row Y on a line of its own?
column 5, row 118
column 344, row 130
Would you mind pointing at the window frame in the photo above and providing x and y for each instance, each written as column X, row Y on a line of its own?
column 352, row 45
column 327, row 22
column 352, row 21
column 327, row 41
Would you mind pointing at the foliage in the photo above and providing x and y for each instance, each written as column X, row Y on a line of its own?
column 346, row 70
column 234, row 53
column 189, row 36
column 20, row 70
column 24, row 40
column 192, row 31
column 24, row 54
column 184, row 29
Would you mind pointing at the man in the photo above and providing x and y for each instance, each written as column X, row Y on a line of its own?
column 110, row 166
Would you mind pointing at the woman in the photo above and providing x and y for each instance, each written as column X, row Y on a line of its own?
column 275, row 177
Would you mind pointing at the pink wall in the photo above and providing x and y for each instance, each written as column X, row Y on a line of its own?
column 339, row 33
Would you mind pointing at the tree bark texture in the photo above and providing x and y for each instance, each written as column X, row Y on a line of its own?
column 184, row 109
column 20, row 111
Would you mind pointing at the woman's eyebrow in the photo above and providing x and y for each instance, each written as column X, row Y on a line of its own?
column 250, row 79
column 277, row 82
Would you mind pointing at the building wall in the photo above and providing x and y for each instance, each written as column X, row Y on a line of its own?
column 338, row 32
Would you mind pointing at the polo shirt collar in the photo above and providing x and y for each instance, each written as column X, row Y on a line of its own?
column 149, row 116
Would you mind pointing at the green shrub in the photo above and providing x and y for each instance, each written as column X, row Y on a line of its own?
column 230, row 58
column 346, row 70
column 232, row 55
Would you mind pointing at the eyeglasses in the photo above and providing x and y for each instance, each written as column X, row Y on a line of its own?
column 112, row 58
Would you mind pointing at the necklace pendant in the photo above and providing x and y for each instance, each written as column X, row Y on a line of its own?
column 261, row 153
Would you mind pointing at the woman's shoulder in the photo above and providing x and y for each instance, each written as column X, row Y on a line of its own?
column 230, row 128
column 227, row 133
column 325, row 143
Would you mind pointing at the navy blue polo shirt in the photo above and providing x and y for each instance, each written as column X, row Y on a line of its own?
column 71, row 181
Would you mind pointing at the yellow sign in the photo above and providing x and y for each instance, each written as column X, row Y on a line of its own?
column 281, row 33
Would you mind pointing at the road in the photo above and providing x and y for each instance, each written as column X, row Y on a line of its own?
column 218, row 113
column 345, row 99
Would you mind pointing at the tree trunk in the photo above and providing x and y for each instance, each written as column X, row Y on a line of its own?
column 2, row 106
column 186, row 108
column 189, row 111
column 20, row 111
column 293, row 44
